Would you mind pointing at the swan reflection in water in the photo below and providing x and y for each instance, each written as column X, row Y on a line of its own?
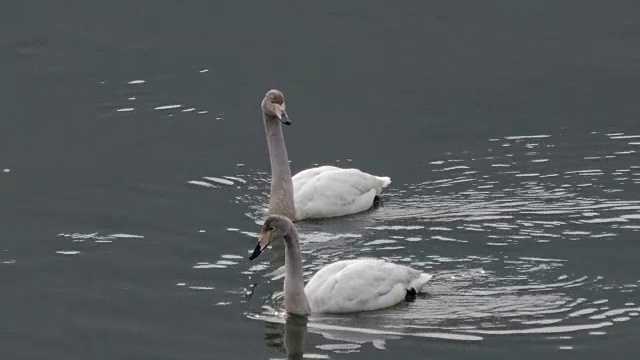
column 295, row 329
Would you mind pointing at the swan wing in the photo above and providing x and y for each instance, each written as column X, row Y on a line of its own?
column 329, row 191
column 361, row 285
column 304, row 176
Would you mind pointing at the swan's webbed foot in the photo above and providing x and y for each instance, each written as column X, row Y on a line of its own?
column 411, row 295
column 376, row 202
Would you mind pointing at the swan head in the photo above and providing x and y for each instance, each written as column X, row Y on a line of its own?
column 275, row 227
column 273, row 106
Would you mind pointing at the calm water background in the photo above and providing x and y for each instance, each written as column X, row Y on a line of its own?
column 511, row 131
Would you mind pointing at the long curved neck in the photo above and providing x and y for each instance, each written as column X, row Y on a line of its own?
column 281, row 197
column 295, row 300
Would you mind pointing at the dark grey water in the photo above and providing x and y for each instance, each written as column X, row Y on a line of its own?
column 133, row 171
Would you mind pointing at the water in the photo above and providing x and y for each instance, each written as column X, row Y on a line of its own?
column 134, row 174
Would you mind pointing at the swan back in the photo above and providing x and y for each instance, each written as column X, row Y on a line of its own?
column 329, row 191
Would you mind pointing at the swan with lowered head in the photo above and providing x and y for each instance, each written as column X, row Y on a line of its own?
column 321, row 192
column 341, row 287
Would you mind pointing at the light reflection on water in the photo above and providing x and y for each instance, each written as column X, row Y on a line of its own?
column 480, row 223
column 125, row 102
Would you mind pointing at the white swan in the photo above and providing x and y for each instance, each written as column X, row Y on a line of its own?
column 321, row 192
column 342, row 287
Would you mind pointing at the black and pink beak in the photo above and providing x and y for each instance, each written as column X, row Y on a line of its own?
column 263, row 242
column 281, row 112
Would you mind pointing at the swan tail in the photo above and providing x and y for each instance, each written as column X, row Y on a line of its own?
column 385, row 181
column 421, row 281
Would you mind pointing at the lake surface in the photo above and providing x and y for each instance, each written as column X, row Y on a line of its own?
column 134, row 174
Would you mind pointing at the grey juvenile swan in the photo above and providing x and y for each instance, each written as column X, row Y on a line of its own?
column 320, row 192
column 343, row 286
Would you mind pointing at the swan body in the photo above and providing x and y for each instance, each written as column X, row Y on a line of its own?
column 321, row 192
column 341, row 287
column 329, row 191
column 361, row 285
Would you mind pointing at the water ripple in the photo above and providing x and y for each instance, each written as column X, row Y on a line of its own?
column 498, row 230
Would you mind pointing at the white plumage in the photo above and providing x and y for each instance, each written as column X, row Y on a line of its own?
column 361, row 285
column 329, row 191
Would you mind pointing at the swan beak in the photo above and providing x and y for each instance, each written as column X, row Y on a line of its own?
column 285, row 119
column 262, row 244
column 256, row 252
column 282, row 114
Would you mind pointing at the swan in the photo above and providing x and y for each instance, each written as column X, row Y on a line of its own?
column 344, row 286
column 320, row 192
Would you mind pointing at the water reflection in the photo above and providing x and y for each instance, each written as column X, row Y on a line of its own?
column 295, row 330
column 134, row 97
column 346, row 333
column 292, row 341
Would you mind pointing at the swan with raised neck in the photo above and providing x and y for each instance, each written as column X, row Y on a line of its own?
column 319, row 192
column 343, row 286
